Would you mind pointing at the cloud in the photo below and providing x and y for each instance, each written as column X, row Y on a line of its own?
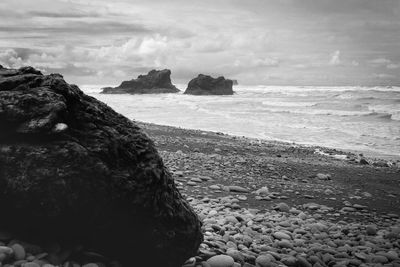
column 80, row 27
column 393, row 66
column 335, row 58
column 383, row 76
column 379, row 61
column 68, row 14
column 9, row 58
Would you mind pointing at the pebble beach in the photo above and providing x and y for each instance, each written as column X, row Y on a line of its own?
column 263, row 203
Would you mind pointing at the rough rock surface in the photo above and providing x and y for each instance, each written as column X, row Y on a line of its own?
column 207, row 85
column 74, row 170
column 155, row 82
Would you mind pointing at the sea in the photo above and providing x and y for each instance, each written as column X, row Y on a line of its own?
column 356, row 119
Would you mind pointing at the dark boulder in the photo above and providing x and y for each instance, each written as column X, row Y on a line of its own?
column 207, row 85
column 155, row 82
column 75, row 171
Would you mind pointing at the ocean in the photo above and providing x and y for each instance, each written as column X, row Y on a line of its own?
column 358, row 119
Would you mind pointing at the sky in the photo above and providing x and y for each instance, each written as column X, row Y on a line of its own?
column 269, row 42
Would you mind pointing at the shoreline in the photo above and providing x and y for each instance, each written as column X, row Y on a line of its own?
column 281, row 162
column 352, row 154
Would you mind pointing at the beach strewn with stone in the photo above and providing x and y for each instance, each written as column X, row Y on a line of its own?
column 279, row 204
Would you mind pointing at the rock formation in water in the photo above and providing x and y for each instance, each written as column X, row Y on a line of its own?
column 74, row 170
column 207, row 85
column 155, row 82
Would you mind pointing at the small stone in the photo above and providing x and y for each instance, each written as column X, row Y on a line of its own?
column 328, row 192
column 30, row 264
column 262, row 191
column 282, row 207
column 302, row 215
column 231, row 219
column 379, row 259
column 6, row 250
column 285, row 244
column 236, row 255
column 190, row 262
column 302, row 262
column 196, row 180
column 242, row 197
column 323, row 176
column 19, row 252
column 289, row 261
column 266, row 260
column 371, row 230
column 60, row 127
column 281, row 235
column 214, row 187
column 91, row 265
column 191, row 183
column 221, row 261
column 238, row 189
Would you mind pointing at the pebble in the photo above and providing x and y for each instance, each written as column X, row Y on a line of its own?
column 238, row 189
column 30, row 264
column 281, row 235
column 6, row 250
column 19, row 252
column 221, row 261
column 282, row 207
column 323, row 176
column 285, row 244
column 215, row 187
column 190, row 262
column 371, row 230
column 262, row 191
column 265, row 261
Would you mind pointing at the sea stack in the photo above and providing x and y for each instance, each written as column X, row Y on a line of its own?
column 73, row 170
column 155, row 82
column 207, row 85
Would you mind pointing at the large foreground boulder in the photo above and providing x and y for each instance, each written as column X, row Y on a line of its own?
column 74, row 170
column 155, row 82
column 207, row 85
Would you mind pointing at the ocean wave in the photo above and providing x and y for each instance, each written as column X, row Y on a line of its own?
column 387, row 116
column 338, row 113
column 289, row 104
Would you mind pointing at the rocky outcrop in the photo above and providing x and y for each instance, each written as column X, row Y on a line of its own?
column 74, row 170
column 155, row 82
column 207, row 85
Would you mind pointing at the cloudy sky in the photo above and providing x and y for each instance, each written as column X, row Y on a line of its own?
column 273, row 42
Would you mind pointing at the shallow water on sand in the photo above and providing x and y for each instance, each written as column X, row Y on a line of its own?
column 361, row 119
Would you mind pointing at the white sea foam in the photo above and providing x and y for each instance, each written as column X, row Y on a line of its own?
column 354, row 118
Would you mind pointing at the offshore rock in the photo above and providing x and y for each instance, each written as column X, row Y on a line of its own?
column 207, row 85
column 155, row 82
column 75, row 171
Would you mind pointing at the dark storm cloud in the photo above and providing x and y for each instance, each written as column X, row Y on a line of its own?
column 80, row 27
column 69, row 14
